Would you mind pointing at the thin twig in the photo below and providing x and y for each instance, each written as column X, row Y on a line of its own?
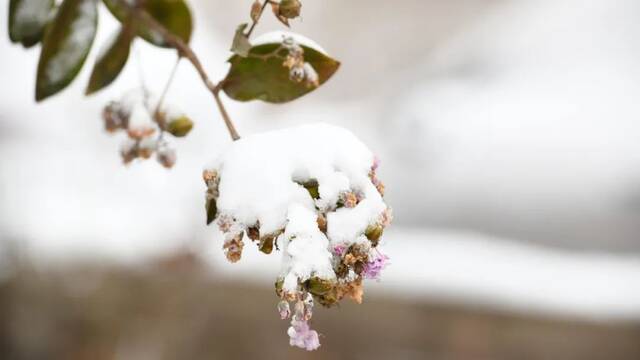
column 166, row 89
column 185, row 51
column 255, row 22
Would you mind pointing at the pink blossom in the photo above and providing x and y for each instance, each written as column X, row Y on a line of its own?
column 339, row 249
column 284, row 310
column 302, row 336
column 374, row 267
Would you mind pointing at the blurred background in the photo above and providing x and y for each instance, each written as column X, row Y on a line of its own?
column 509, row 137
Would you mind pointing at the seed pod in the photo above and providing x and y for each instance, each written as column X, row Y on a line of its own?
column 179, row 126
column 256, row 9
column 318, row 286
column 289, row 9
column 373, row 233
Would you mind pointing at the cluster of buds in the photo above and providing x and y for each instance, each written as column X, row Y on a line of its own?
column 351, row 262
column 145, row 128
column 299, row 70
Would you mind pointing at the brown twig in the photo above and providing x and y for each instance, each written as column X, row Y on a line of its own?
column 185, row 51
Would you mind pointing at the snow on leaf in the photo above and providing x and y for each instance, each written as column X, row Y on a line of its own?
column 27, row 20
column 65, row 46
column 268, row 74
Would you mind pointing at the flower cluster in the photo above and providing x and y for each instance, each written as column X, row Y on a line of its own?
column 328, row 226
column 145, row 127
column 299, row 70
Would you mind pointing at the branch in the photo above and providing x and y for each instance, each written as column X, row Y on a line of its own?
column 255, row 21
column 185, row 51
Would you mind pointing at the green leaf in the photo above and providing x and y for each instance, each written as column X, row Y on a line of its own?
column 65, row 46
column 27, row 20
column 241, row 44
column 111, row 62
column 174, row 15
column 262, row 75
column 212, row 210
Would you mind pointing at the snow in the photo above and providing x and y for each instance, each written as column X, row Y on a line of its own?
column 276, row 37
column 260, row 183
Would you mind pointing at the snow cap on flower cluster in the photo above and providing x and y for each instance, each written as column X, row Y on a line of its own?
column 310, row 191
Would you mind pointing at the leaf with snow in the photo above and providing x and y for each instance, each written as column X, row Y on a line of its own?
column 174, row 15
column 241, row 44
column 112, row 59
column 27, row 20
column 261, row 75
column 65, row 46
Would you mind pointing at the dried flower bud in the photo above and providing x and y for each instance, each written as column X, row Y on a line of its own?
column 256, row 9
column 289, row 9
column 146, row 147
column 166, row 156
column 179, row 126
column 129, row 150
column 111, row 116
column 275, row 7
column 348, row 199
column 233, row 247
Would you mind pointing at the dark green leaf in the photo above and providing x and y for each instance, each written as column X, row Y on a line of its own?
column 65, row 46
column 27, row 20
column 262, row 75
column 174, row 15
column 212, row 210
column 110, row 63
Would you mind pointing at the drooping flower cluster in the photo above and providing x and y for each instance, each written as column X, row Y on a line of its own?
column 311, row 192
column 145, row 126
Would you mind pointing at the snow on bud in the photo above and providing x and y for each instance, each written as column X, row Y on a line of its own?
column 140, row 123
column 112, row 117
column 311, row 77
column 166, row 156
column 233, row 247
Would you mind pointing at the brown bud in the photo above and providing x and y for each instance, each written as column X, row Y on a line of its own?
column 322, row 223
column 289, row 9
column 256, row 9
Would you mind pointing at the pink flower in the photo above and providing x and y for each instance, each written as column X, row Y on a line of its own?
column 374, row 267
column 284, row 310
column 302, row 336
column 339, row 249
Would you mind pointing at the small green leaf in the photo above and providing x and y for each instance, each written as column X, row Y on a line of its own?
column 27, row 20
column 65, row 46
column 111, row 62
column 262, row 75
column 174, row 15
column 241, row 44
column 212, row 210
